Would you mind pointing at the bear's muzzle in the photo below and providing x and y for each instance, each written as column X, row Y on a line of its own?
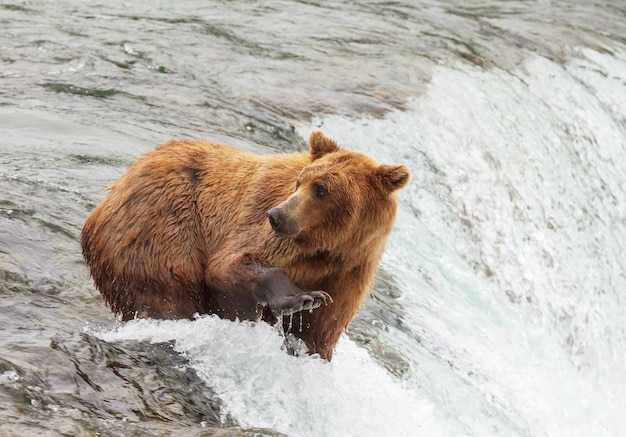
column 282, row 225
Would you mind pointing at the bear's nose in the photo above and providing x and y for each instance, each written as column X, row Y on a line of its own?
column 276, row 218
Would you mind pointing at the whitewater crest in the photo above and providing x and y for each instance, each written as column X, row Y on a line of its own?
column 261, row 385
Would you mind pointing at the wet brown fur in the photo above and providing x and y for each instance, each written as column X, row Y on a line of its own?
column 190, row 217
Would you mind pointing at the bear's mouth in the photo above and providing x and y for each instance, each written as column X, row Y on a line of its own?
column 279, row 234
column 284, row 233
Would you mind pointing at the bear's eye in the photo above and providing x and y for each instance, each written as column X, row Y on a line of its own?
column 319, row 191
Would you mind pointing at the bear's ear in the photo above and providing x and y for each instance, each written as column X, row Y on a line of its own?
column 320, row 144
column 392, row 176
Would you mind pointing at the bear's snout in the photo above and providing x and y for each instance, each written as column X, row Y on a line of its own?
column 282, row 221
column 277, row 218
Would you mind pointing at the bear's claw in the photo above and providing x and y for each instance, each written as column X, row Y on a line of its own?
column 303, row 302
column 317, row 299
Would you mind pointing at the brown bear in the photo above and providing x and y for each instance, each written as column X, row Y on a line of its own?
column 196, row 227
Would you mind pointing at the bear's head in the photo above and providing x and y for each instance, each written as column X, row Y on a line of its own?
column 341, row 200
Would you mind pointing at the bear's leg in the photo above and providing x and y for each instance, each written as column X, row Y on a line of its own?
column 245, row 286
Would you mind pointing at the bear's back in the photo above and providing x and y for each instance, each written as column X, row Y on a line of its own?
column 148, row 240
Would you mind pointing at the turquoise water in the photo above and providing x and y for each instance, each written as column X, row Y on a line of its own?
column 497, row 309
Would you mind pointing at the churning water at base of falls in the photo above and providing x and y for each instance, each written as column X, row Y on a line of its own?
column 498, row 307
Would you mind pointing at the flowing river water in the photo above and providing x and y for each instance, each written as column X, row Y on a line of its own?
column 499, row 306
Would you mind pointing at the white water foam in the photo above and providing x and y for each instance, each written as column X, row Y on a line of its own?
column 262, row 386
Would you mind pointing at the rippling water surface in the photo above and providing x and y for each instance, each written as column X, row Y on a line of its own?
column 498, row 308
